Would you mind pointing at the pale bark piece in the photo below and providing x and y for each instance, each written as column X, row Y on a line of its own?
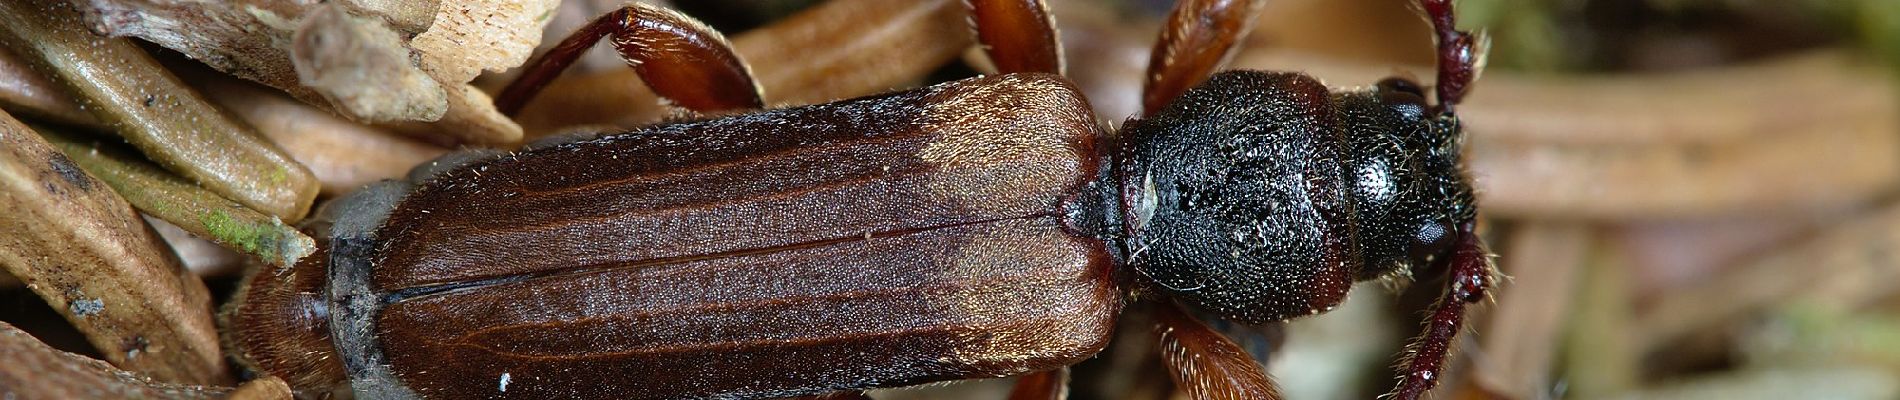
column 74, row 242
column 362, row 68
column 148, row 106
column 33, row 371
column 175, row 200
column 447, row 42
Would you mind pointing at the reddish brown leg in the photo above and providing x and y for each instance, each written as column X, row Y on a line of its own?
column 1020, row 35
column 1045, row 385
column 1458, row 53
column 681, row 59
column 1205, row 364
column 1472, row 277
column 1200, row 36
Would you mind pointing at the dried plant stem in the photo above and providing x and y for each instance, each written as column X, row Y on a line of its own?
column 807, row 58
column 82, row 248
column 152, row 109
column 175, row 200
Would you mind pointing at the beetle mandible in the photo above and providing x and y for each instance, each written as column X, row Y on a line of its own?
column 977, row 228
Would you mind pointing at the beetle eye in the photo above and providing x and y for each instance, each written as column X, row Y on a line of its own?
column 1403, row 97
column 1401, row 85
column 1432, row 238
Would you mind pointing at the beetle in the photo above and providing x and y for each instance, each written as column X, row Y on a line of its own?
column 977, row 228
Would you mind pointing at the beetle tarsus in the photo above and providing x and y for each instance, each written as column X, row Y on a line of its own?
column 1200, row 35
column 1020, row 35
column 681, row 59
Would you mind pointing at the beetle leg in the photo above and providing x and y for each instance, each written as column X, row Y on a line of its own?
column 1471, row 280
column 1200, row 36
column 1205, row 364
column 1019, row 35
column 1046, row 385
column 682, row 59
column 1460, row 54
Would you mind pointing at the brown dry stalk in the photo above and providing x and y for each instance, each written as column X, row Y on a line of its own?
column 82, row 248
column 1844, row 266
column 807, row 58
column 33, row 371
column 152, row 109
column 175, row 200
column 424, row 52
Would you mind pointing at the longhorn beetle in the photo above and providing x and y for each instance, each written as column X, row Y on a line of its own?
column 977, row 228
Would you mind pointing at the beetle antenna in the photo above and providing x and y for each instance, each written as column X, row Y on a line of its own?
column 1460, row 54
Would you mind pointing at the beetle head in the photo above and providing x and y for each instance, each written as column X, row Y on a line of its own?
column 1409, row 190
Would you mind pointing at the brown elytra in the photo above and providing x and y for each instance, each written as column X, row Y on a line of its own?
column 910, row 237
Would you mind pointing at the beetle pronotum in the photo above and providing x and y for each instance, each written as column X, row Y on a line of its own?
column 977, row 228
